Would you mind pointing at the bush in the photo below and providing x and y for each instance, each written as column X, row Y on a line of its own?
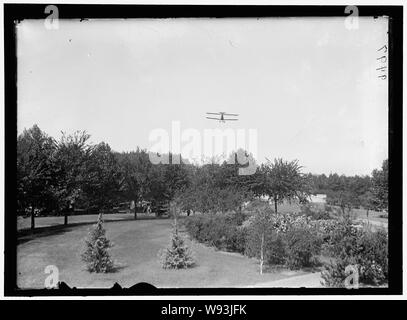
column 290, row 239
column 364, row 248
column 177, row 255
column 220, row 231
column 334, row 273
column 262, row 233
column 286, row 239
column 274, row 248
column 373, row 257
column 295, row 240
column 263, row 236
column 301, row 246
column 324, row 230
column 235, row 239
column 96, row 254
column 193, row 225
column 342, row 240
column 316, row 212
column 204, row 228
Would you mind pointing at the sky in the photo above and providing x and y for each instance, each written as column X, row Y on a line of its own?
column 308, row 86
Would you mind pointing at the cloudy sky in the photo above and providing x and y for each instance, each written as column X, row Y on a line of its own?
column 309, row 86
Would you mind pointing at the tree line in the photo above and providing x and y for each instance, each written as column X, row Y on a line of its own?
column 369, row 192
column 57, row 176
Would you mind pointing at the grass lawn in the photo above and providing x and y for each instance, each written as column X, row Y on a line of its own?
column 136, row 244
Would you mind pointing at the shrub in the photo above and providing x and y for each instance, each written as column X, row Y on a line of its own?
column 325, row 228
column 96, row 254
column 316, row 212
column 274, row 248
column 261, row 233
column 276, row 251
column 177, row 255
column 235, row 239
column 342, row 240
column 203, row 228
column 193, row 225
column 220, row 231
column 373, row 257
column 289, row 239
column 334, row 273
column 275, row 239
column 301, row 246
column 364, row 248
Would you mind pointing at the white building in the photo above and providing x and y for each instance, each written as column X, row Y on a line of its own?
column 318, row 198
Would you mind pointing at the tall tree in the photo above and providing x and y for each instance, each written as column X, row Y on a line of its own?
column 167, row 180
column 35, row 171
column 215, row 187
column 72, row 157
column 380, row 181
column 346, row 200
column 103, row 177
column 135, row 168
column 367, row 202
column 282, row 180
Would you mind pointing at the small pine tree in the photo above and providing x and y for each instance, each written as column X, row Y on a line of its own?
column 96, row 254
column 177, row 255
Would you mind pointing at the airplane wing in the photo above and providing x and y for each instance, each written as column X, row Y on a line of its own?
column 212, row 113
column 212, row 118
column 230, row 119
column 230, row 114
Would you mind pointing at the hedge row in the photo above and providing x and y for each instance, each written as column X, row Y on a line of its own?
column 296, row 241
column 295, row 248
column 220, row 231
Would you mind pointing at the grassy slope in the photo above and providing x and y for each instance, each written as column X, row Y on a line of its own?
column 136, row 246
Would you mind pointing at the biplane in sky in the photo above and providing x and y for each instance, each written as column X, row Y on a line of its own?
column 221, row 116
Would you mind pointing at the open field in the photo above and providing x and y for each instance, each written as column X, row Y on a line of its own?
column 136, row 244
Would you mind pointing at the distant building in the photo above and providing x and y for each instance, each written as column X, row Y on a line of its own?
column 314, row 198
column 318, row 198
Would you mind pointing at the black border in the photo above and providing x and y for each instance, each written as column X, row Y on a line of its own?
column 18, row 12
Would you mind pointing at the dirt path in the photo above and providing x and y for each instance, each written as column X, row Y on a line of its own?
column 311, row 280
